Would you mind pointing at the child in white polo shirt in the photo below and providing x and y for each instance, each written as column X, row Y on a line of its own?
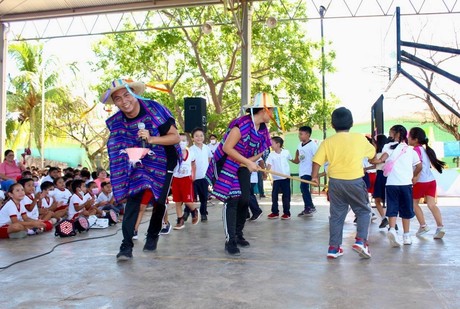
column 202, row 155
column 278, row 161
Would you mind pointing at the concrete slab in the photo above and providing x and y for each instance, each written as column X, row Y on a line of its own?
column 285, row 267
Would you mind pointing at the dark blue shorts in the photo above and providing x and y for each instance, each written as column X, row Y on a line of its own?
column 379, row 186
column 399, row 200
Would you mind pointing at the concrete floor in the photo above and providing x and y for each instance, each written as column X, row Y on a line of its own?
column 285, row 267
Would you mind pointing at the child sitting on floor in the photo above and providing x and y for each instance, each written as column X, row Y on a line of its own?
column 14, row 222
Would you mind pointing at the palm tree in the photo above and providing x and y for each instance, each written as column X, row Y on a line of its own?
column 35, row 75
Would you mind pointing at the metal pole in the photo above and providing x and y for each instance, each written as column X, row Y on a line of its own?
column 246, row 53
column 322, row 11
column 42, row 136
column 4, row 51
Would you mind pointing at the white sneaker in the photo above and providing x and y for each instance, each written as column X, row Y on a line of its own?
column 407, row 240
column 135, row 236
column 393, row 237
column 440, row 231
column 422, row 230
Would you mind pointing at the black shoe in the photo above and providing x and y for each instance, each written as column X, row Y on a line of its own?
column 396, row 227
column 240, row 241
column 256, row 216
column 185, row 216
column 125, row 254
column 204, row 218
column 384, row 223
column 151, row 243
column 232, row 248
column 262, row 195
column 355, row 221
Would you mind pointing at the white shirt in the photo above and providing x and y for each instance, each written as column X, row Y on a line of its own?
column 75, row 200
column 202, row 156
column 213, row 147
column 47, row 202
column 47, row 178
column 255, row 175
column 402, row 172
column 379, row 166
column 102, row 197
column 279, row 163
column 10, row 209
column 62, row 195
column 185, row 168
column 28, row 200
column 306, row 153
column 426, row 175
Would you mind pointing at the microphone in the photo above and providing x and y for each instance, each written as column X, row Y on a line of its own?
column 141, row 126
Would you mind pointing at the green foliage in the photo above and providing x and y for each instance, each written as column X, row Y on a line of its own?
column 210, row 65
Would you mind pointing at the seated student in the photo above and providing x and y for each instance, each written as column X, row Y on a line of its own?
column 77, row 204
column 91, row 193
column 30, row 202
column 48, row 202
column 14, row 222
column 106, row 200
column 60, row 192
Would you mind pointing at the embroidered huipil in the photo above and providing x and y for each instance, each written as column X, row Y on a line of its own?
column 222, row 170
column 127, row 180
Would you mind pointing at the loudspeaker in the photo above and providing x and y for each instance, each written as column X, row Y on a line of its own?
column 195, row 114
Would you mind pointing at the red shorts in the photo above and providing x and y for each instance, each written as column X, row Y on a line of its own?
column 182, row 189
column 372, row 177
column 422, row 189
column 4, row 231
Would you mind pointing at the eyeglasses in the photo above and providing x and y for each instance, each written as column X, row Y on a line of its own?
column 119, row 99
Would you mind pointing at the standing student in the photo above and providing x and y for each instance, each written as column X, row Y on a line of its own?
column 213, row 143
column 202, row 155
column 140, row 123
column 425, row 186
column 406, row 166
column 253, row 204
column 278, row 161
column 380, row 181
column 182, row 185
column 247, row 137
column 344, row 151
column 303, row 156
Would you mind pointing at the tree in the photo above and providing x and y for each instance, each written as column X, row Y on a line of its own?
column 24, row 95
column 75, row 118
column 210, row 66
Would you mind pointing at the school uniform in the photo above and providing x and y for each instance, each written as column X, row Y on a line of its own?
column 279, row 162
column 200, row 185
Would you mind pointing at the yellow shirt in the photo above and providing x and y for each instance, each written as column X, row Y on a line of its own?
column 345, row 152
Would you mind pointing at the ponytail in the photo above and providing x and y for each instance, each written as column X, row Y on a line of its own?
column 419, row 134
column 437, row 164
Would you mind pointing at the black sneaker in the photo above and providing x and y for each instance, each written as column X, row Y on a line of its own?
column 256, row 216
column 384, row 223
column 204, row 218
column 232, row 248
column 185, row 216
column 151, row 243
column 240, row 241
column 125, row 254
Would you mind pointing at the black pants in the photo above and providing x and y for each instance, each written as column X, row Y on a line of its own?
column 132, row 211
column 200, row 186
column 236, row 209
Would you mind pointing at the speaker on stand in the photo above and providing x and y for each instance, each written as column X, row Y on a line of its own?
column 195, row 114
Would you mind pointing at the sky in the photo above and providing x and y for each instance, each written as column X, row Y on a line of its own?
column 363, row 47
